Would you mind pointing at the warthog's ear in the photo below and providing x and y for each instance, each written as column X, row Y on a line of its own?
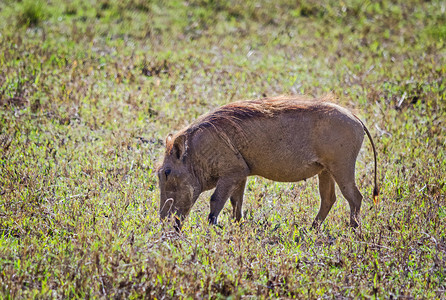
column 180, row 147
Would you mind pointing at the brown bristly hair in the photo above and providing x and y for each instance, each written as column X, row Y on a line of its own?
column 233, row 113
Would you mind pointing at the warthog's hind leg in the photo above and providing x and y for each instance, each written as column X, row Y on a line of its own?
column 345, row 178
column 328, row 196
column 354, row 198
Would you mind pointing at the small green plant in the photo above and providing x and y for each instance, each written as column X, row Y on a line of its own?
column 31, row 13
column 70, row 9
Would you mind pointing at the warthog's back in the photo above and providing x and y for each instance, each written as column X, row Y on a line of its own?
column 287, row 139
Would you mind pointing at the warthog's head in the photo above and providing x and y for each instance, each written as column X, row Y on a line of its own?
column 179, row 187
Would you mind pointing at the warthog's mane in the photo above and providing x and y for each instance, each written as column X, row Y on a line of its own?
column 233, row 114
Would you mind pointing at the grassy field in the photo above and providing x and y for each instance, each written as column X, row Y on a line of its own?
column 90, row 89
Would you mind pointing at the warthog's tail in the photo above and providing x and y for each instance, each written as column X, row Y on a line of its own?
column 375, row 189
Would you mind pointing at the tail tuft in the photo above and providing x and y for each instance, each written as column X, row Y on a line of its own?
column 375, row 195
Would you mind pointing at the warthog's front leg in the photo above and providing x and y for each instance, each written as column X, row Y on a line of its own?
column 226, row 186
column 237, row 200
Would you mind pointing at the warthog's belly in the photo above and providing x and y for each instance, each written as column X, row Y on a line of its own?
column 291, row 173
column 285, row 168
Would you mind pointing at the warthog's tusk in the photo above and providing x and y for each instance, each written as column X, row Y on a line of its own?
column 171, row 203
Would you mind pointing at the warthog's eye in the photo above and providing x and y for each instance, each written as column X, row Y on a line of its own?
column 167, row 172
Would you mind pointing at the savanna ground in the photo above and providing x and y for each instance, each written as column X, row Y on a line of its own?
column 90, row 89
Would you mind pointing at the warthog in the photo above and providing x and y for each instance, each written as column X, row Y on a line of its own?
column 284, row 139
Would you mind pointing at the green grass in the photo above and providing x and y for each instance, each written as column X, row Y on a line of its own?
column 90, row 89
column 31, row 13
